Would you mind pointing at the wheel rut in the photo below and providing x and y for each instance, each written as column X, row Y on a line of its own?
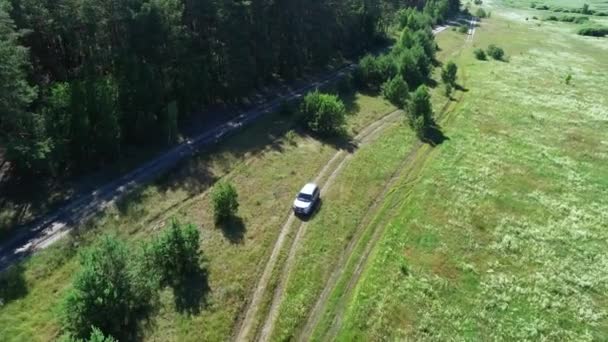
column 324, row 178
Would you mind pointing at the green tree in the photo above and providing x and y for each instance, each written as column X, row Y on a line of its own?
column 106, row 292
column 448, row 76
column 408, row 68
column 174, row 255
column 396, row 91
column 480, row 54
column 225, row 201
column 495, row 52
column 324, row 114
column 28, row 143
column 420, row 110
column 372, row 71
column 480, row 13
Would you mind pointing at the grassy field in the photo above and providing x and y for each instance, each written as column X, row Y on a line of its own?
column 267, row 165
column 501, row 234
column 498, row 233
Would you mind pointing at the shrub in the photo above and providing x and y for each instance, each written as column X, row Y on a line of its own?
column 426, row 40
column 463, row 29
column 535, row 17
column 448, row 73
column 602, row 14
column 585, row 9
column 396, row 91
column 173, row 255
column 481, row 13
column 581, row 20
column 532, row 5
column 420, row 111
column 96, row 336
column 373, row 71
column 408, row 69
column 107, row 293
column 423, row 62
column 478, row 2
column 448, row 89
column 495, row 52
column 542, row 7
column 551, row 18
column 290, row 137
column 225, row 201
column 567, row 18
column 568, row 79
column 324, row 114
column 480, row 54
column 594, row 31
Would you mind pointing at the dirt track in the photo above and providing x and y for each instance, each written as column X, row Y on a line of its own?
column 325, row 178
column 414, row 161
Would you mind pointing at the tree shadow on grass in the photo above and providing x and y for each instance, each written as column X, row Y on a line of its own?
column 460, row 87
column 233, row 229
column 190, row 293
column 433, row 135
column 12, row 284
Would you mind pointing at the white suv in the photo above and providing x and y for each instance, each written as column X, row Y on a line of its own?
column 306, row 200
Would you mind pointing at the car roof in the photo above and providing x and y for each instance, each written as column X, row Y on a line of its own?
column 308, row 189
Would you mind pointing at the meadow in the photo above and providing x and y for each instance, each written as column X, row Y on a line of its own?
column 502, row 233
column 499, row 233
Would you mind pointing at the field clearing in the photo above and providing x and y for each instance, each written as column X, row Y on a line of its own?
column 504, row 235
column 267, row 165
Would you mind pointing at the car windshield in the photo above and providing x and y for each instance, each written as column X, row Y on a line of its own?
column 304, row 197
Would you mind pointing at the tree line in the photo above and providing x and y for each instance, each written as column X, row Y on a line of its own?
column 83, row 80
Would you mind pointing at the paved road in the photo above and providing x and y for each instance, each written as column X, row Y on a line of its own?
column 54, row 226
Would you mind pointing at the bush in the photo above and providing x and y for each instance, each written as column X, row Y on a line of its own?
column 480, row 13
column 585, row 9
column 96, row 336
column 463, row 29
column 426, row 40
column 373, row 71
column 495, row 52
column 420, row 111
column 551, row 18
column 225, row 201
column 396, row 91
column 542, row 7
column 480, row 54
column 107, row 292
column 448, row 73
column 532, row 5
column 567, row 18
column 290, row 137
column 408, row 69
column 448, row 89
column 478, row 2
column 324, row 114
column 594, row 31
column 602, row 14
column 535, row 17
column 581, row 20
column 174, row 255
